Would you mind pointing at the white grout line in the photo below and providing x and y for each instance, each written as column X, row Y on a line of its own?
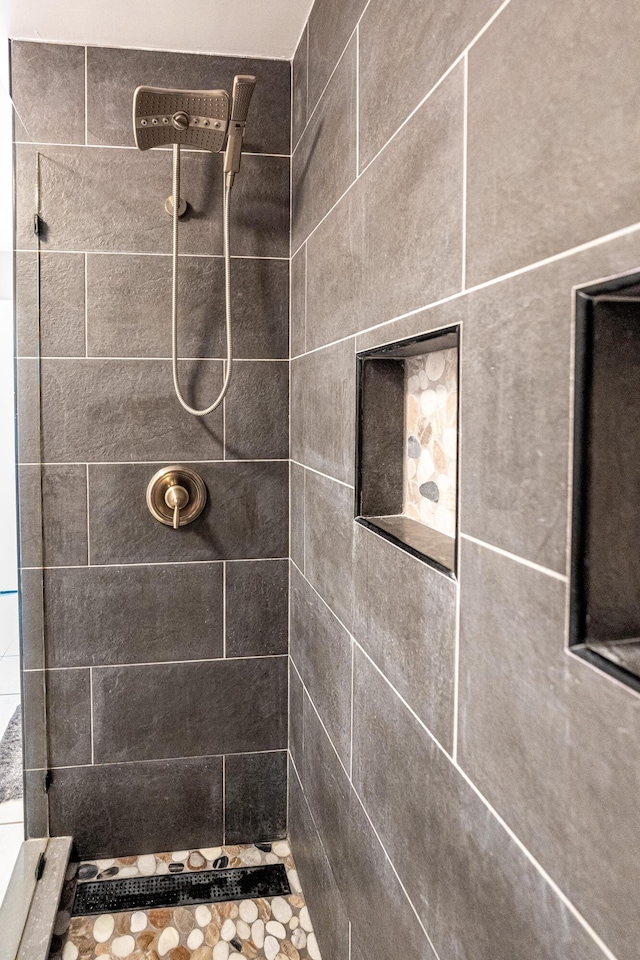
column 132, row 147
column 554, row 258
column 146, row 253
column 358, row 100
column 224, row 799
column 157, row 563
column 353, row 668
column 307, row 86
column 90, row 709
column 556, row 889
column 86, row 98
column 349, row 933
column 155, row 663
column 232, row 55
column 86, row 316
column 562, row 577
column 88, row 522
column 456, row 673
column 224, row 610
column 338, row 62
column 131, row 763
column 397, row 875
column 356, row 794
column 304, row 521
column 163, row 359
column 465, row 123
column 320, row 474
column 134, row 463
column 306, row 292
column 630, row 691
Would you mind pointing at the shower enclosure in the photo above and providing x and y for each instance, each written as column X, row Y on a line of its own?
column 154, row 660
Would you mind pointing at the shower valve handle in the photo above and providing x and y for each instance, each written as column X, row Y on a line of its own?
column 176, row 498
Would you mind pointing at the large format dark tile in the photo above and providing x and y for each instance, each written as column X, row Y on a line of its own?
column 542, row 734
column 323, row 403
column 245, row 516
column 326, row 905
column 296, row 715
column 62, row 309
column 296, row 524
column 325, row 162
column 476, row 892
column 394, row 242
column 299, row 80
column 257, row 411
column 567, row 135
column 114, row 73
column 53, row 515
column 321, row 652
column 137, row 614
column 375, row 894
column 255, row 797
column 405, row 619
column 298, row 302
column 28, row 413
column 514, row 491
column 36, row 805
column 257, row 608
column 167, row 710
column 405, row 47
column 129, row 307
column 329, row 527
column 31, row 600
column 47, row 89
column 327, row 790
column 118, row 410
column 34, row 719
column 260, row 208
column 331, row 23
column 137, row 807
column 99, row 199
column 63, row 737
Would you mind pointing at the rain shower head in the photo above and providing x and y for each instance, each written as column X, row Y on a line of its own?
column 192, row 118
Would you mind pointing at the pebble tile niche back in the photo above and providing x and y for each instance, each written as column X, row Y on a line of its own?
column 407, row 445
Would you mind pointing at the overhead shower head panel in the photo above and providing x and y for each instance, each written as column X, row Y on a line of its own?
column 193, row 118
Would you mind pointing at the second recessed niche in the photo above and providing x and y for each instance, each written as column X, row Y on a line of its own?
column 407, row 476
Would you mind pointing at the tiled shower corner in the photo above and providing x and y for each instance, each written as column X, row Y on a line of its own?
column 273, row 928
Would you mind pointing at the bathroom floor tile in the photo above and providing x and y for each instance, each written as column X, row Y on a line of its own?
column 276, row 928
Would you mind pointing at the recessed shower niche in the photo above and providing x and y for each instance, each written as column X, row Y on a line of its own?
column 605, row 582
column 407, row 455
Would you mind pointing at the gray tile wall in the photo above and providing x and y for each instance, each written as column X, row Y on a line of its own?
column 164, row 658
column 461, row 788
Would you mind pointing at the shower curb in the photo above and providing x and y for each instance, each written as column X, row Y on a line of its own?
column 30, row 938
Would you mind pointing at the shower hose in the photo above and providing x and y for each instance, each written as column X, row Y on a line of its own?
column 174, row 291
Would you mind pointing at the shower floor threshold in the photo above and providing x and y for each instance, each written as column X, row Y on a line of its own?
column 181, row 890
column 249, row 923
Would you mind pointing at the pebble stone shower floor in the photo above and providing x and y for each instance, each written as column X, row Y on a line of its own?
column 276, row 928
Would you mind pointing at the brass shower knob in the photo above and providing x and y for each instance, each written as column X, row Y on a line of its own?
column 176, row 495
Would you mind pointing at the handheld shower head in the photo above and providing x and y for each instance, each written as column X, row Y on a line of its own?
column 243, row 87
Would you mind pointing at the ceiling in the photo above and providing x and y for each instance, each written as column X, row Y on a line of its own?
column 259, row 28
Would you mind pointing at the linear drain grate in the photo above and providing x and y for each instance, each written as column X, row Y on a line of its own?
column 182, row 889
